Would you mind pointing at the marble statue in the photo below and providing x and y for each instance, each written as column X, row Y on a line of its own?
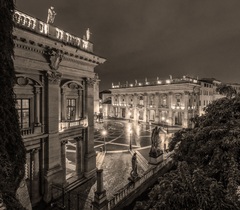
column 51, row 15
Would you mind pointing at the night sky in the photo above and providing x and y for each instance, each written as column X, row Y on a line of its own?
column 153, row 38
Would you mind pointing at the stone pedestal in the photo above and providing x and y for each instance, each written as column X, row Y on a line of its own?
column 155, row 160
column 100, row 198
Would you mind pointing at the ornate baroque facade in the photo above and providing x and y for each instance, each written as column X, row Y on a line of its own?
column 55, row 88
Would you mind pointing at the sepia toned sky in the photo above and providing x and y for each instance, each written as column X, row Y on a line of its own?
column 153, row 38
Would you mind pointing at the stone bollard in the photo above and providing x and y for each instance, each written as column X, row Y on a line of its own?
column 100, row 199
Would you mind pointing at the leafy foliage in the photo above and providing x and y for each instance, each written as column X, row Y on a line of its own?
column 12, row 151
column 226, row 90
column 208, row 163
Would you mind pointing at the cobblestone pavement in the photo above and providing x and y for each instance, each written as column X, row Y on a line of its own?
column 113, row 152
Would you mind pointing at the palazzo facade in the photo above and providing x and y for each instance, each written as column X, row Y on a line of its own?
column 170, row 102
column 55, row 88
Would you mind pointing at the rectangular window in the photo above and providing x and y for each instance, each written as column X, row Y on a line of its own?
column 71, row 109
column 23, row 109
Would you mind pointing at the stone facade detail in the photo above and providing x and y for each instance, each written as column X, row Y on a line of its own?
column 55, row 105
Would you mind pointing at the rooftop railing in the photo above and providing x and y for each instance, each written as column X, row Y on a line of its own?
column 30, row 23
column 139, row 83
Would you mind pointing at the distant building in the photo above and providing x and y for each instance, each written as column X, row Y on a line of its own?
column 208, row 92
column 55, row 89
column 172, row 101
column 105, row 102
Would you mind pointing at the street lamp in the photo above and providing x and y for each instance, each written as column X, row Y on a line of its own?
column 163, row 121
column 104, row 133
column 167, row 124
column 130, row 142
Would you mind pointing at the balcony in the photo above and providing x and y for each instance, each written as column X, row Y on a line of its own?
column 178, row 106
column 32, row 130
column 26, row 131
column 64, row 125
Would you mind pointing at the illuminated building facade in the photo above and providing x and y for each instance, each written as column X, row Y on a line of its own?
column 55, row 89
column 169, row 102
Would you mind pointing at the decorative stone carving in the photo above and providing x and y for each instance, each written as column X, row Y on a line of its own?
column 22, row 81
column 73, row 86
column 54, row 57
column 54, row 77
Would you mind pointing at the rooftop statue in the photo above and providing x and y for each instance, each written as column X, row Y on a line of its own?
column 88, row 34
column 51, row 15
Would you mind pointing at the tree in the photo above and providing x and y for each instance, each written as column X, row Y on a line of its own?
column 207, row 157
column 226, row 90
column 12, row 150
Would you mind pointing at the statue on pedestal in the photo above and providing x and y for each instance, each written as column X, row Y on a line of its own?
column 134, row 173
column 155, row 150
column 51, row 15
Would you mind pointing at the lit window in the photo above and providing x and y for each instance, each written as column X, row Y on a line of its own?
column 71, row 109
column 23, row 108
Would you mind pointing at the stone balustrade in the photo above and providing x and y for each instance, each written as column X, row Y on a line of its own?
column 67, row 124
column 131, row 187
column 25, row 21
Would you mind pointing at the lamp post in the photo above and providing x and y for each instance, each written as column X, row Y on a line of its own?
column 104, row 133
column 163, row 121
column 167, row 124
column 130, row 142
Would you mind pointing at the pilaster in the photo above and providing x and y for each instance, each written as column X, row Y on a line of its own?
column 90, row 154
column 79, row 157
column 63, row 158
column 35, row 176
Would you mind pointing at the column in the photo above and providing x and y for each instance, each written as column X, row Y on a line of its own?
column 63, row 158
column 156, row 107
column 90, row 154
column 79, row 103
column 127, row 116
column 135, row 102
column 35, row 176
column 37, row 105
column 186, row 104
column 145, row 102
column 170, row 112
column 79, row 156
